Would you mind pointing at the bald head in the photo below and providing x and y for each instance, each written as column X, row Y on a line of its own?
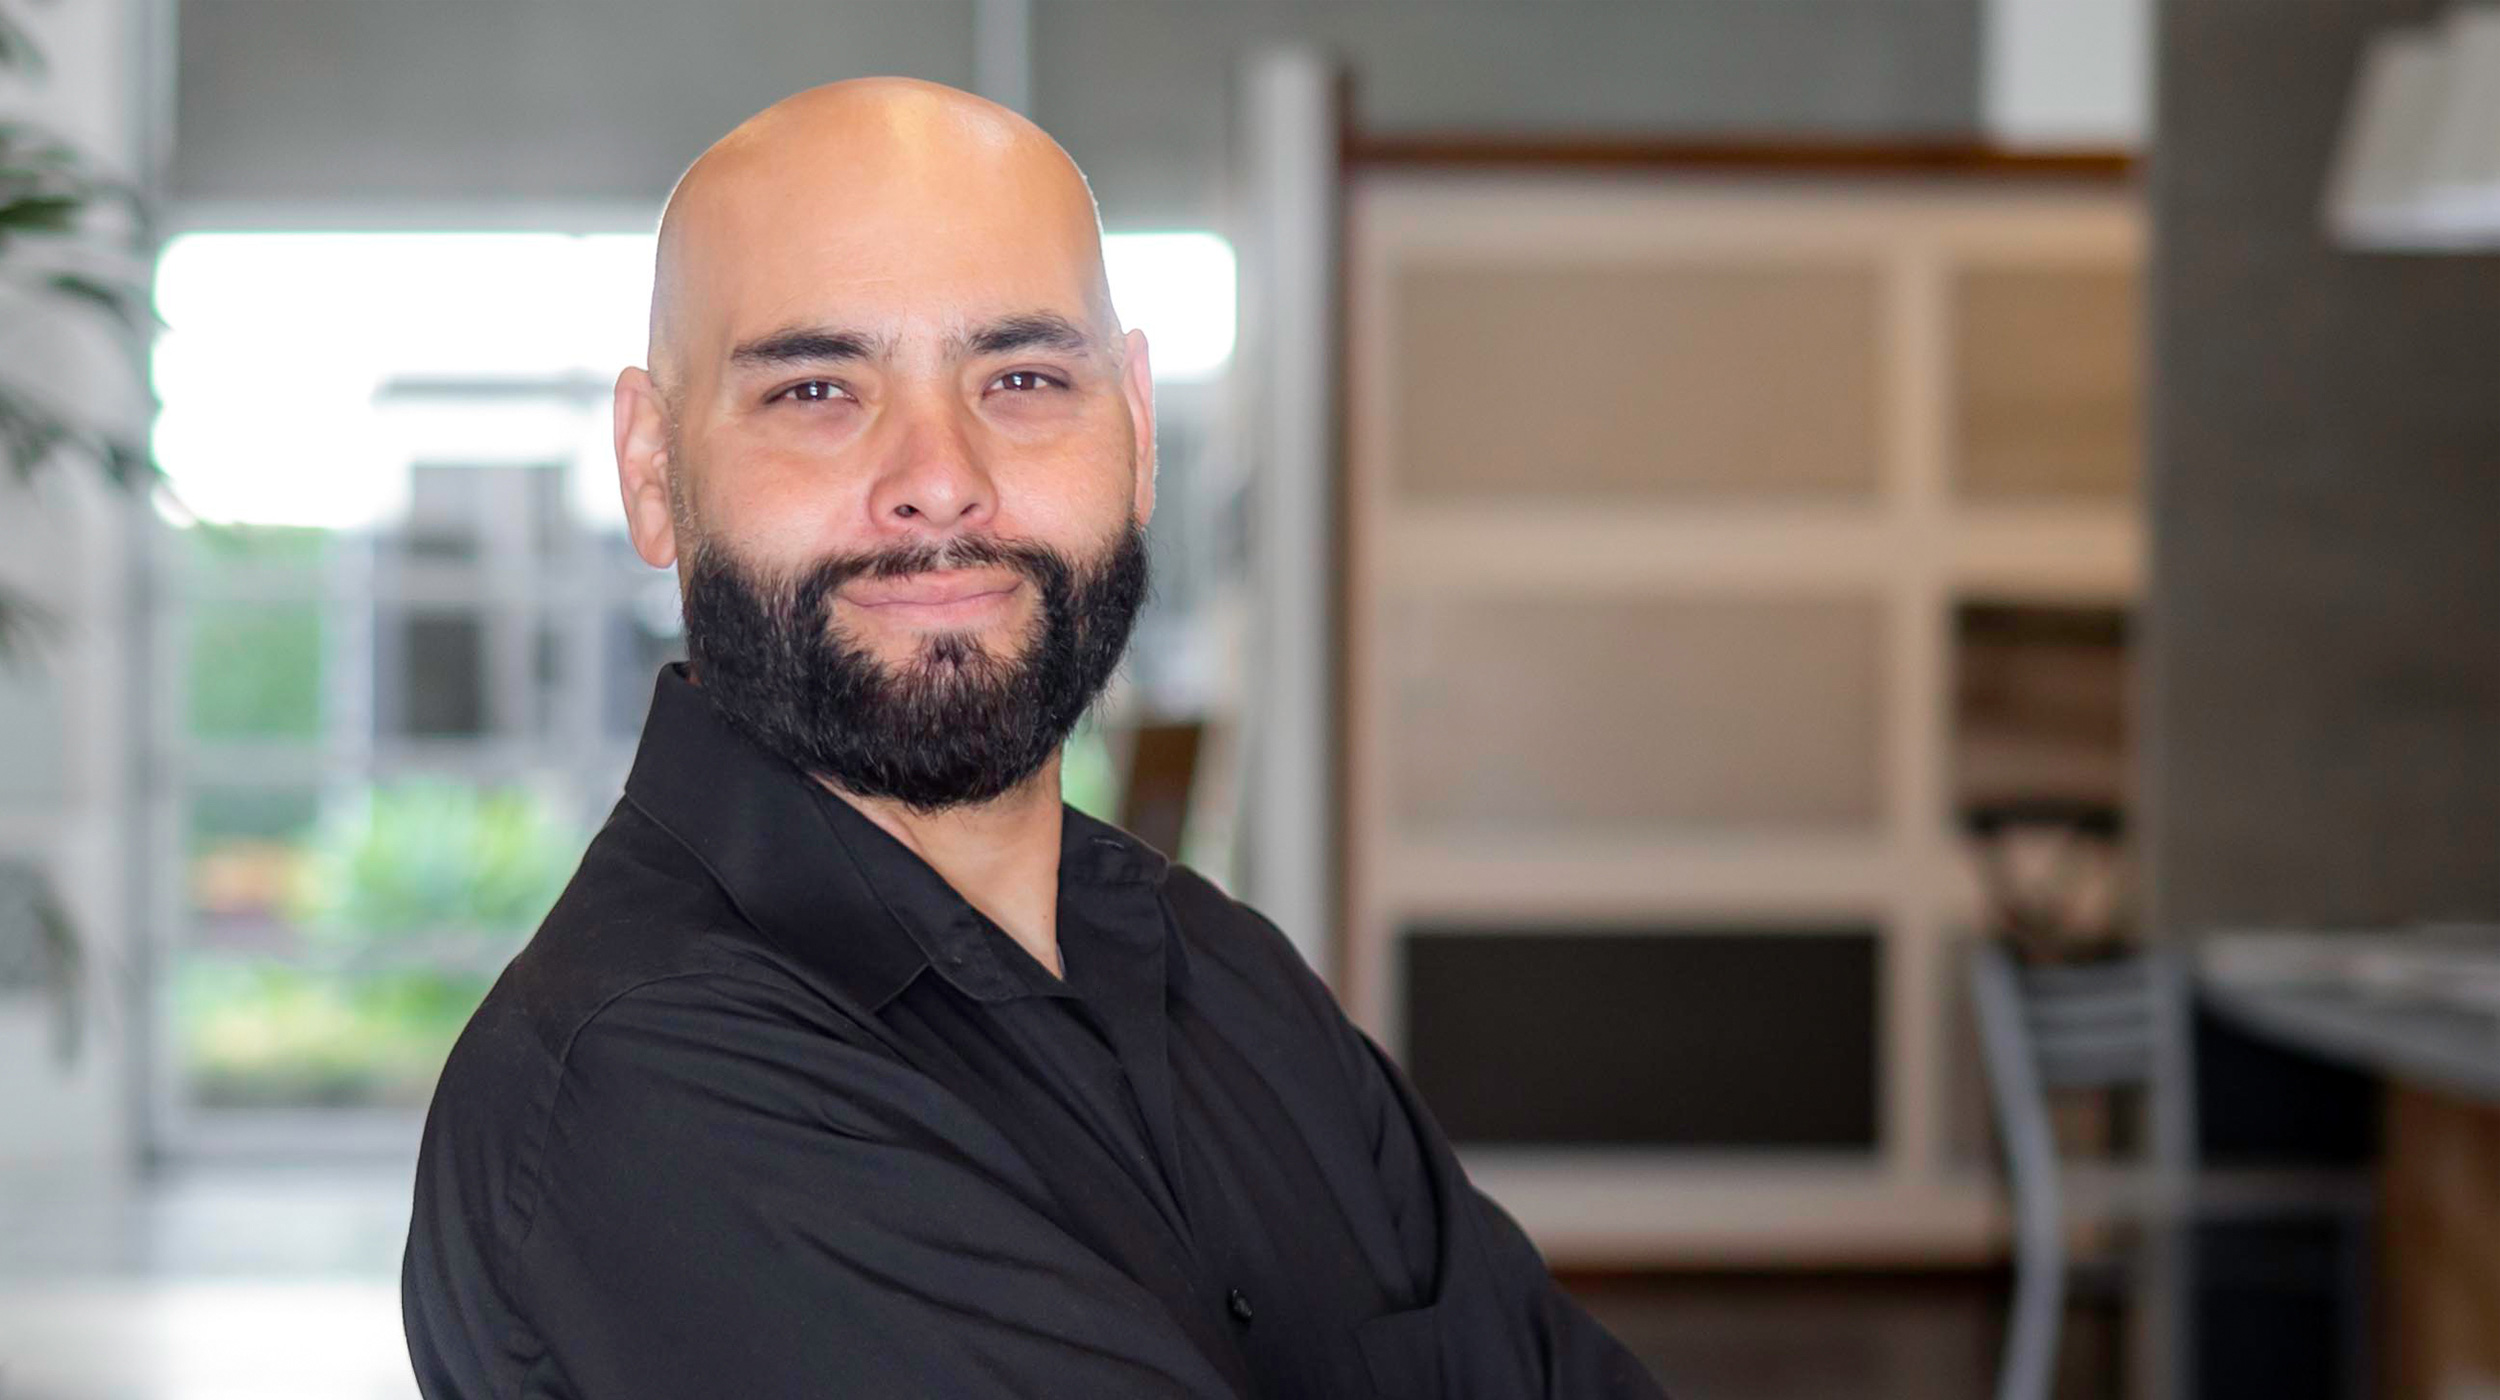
column 846, row 178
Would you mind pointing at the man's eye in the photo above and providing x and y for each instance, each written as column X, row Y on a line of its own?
column 814, row 391
column 1025, row 380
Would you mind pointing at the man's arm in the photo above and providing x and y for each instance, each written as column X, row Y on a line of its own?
column 1492, row 1280
column 1497, row 1324
column 731, row 1202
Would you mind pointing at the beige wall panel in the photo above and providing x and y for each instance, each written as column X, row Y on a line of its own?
column 1672, row 380
column 1720, row 714
column 2049, row 399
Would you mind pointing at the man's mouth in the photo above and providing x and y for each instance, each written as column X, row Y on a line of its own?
column 938, row 593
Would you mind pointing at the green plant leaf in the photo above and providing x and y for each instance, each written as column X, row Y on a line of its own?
column 127, row 463
column 41, row 213
column 24, row 624
column 17, row 47
column 37, row 162
column 40, row 951
column 28, row 152
column 126, row 302
column 69, row 979
column 30, row 431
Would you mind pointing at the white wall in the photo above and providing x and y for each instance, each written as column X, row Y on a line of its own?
column 2067, row 72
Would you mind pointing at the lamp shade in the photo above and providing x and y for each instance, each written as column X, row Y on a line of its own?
column 2418, row 165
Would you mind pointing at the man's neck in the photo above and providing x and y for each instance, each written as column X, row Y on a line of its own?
column 1002, row 855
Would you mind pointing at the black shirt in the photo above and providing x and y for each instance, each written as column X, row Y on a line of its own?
column 767, row 1110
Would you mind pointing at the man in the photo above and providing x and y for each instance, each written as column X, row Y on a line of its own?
column 852, row 1063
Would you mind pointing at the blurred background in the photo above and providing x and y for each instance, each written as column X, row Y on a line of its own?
column 1867, row 632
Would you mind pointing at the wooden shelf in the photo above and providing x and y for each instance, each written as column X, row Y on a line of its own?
column 1657, row 877
column 1591, row 1208
column 2083, row 550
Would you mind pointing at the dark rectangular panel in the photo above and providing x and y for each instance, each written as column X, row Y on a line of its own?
column 2275, row 1313
column 1759, row 1039
column 445, row 676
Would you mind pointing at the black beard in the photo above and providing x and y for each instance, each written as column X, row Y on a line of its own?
column 953, row 726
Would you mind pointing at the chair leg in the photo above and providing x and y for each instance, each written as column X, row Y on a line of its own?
column 2359, row 1286
column 2161, row 1320
column 2031, row 1334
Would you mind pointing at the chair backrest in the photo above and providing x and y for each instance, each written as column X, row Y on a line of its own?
column 2119, row 1021
column 2090, row 1025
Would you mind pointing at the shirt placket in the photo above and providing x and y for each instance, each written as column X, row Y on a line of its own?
column 1119, row 988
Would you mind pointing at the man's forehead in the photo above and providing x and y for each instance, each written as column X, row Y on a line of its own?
column 891, row 209
column 958, row 310
column 899, row 279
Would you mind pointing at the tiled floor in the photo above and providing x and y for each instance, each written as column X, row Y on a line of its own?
column 273, row 1285
column 214, row 1339
column 258, row 1285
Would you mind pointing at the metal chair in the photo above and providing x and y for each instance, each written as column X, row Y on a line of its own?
column 2116, row 1022
column 2123, row 1021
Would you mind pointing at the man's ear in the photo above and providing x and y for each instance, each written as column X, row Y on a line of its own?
column 642, row 467
column 1137, row 385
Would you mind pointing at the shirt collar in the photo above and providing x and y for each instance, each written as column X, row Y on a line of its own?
column 837, row 891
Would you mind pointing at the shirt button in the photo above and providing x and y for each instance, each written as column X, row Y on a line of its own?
column 1240, row 1305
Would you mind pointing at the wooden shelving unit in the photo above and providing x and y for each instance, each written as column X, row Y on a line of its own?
column 1665, row 484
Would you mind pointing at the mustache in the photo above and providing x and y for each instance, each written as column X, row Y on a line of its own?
column 807, row 589
column 927, row 556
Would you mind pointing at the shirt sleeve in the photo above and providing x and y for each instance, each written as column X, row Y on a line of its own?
column 1501, row 1323
column 1495, row 1322
column 733, row 1203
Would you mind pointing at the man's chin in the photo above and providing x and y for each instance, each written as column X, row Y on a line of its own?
column 1005, row 646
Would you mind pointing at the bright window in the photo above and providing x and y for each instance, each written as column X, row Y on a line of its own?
column 406, row 656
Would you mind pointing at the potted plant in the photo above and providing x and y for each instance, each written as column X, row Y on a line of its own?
column 73, row 248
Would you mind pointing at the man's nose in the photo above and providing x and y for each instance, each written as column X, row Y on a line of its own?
column 933, row 479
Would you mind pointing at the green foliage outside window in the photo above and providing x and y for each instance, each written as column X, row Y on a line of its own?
column 1089, row 778
column 264, row 1034
column 429, row 862
column 255, row 670
column 409, row 900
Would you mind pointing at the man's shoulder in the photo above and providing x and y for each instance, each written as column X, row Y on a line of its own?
column 640, row 922
column 639, row 908
column 640, row 912
column 1230, row 940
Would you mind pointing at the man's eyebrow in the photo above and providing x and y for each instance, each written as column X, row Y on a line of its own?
column 810, row 345
column 1033, row 330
